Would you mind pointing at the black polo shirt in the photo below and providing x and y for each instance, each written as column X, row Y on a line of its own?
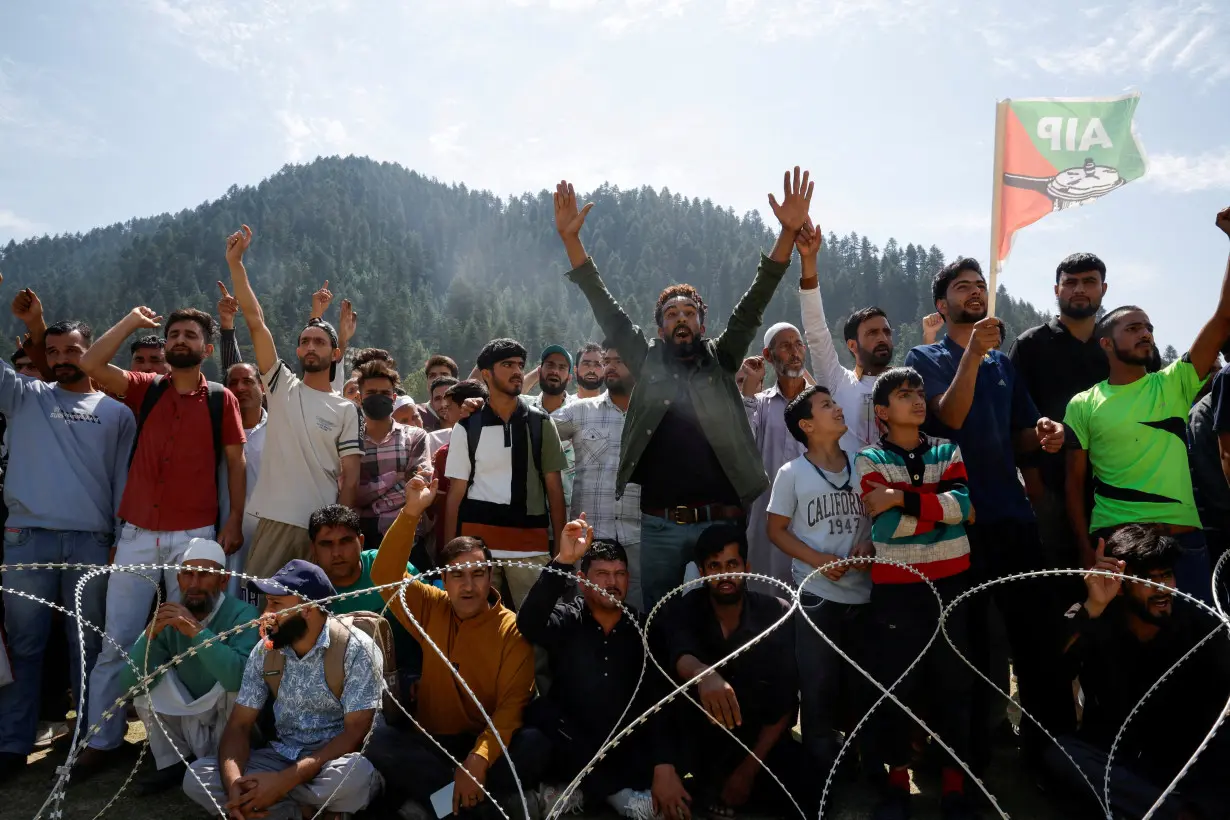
column 1056, row 366
column 765, row 678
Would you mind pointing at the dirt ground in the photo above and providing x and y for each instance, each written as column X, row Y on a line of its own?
column 23, row 796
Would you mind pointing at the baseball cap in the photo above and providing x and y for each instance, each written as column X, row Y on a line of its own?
column 297, row 578
column 560, row 349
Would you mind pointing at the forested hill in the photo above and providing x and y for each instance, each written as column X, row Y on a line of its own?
column 432, row 267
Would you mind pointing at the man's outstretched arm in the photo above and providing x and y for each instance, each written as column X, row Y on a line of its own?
column 262, row 340
column 1204, row 350
column 748, row 315
column 615, row 323
column 96, row 362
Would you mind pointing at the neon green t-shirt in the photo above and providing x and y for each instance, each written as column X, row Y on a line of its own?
column 1136, row 438
column 372, row 601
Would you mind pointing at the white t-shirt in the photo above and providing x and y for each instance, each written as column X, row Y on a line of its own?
column 308, row 433
column 853, row 395
column 827, row 514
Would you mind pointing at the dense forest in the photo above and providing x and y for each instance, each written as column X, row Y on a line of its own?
column 432, row 267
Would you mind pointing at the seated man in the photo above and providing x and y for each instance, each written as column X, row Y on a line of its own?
column 1121, row 640
column 314, row 761
column 755, row 696
column 337, row 548
column 596, row 657
column 188, row 705
column 478, row 635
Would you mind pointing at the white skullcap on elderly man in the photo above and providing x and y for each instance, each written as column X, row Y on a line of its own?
column 771, row 333
column 203, row 549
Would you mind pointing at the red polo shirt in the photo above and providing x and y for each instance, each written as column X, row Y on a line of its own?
column 171, row 484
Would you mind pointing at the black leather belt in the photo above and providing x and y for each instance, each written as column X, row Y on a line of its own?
column 699, row 515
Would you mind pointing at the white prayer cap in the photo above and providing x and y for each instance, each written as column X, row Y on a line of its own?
column 401, row 401
column 203, row 549
column 776, row 329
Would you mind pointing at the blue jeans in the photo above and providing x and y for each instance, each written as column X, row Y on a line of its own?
column 666, row 551
column 29, row 623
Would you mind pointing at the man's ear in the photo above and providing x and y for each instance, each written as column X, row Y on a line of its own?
column 209, row 351
column 852, row 346
column 337, row 354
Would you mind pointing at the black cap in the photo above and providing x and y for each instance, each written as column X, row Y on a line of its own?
column 297, row 578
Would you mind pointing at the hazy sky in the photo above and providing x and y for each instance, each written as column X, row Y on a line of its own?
column 133, row 107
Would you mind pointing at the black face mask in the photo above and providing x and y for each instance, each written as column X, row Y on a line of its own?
column 378, row 407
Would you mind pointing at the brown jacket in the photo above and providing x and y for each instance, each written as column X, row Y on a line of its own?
column 488, row 651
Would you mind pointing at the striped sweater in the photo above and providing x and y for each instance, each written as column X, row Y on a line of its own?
column 927, row 531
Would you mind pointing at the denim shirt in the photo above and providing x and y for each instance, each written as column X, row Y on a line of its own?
column 306, row 714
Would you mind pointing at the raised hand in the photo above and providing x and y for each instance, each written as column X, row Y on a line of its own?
column 931, row 325
column 808, row 240
column 228, row 306
column 420, row 493
column 347, row 323
column 753, row 372
column 321, row 300
column 1223, row 220
column 796, row 201
column 144, row 317
column 1102, row 589
column 237, row 244
column 27, row 308
column 985, row 337
column 576, row 539
column 568, row 220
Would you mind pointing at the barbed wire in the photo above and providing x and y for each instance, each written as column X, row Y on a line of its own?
column 622, row 728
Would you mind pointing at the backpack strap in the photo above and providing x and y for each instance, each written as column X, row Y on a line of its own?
column 536, row 418
column 152, row 394
column 335, row 654
column 275, row 663
column 216, row 400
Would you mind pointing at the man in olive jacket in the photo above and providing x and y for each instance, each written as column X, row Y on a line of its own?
column 686, row 440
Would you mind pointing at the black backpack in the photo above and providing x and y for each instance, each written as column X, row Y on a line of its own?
column 535, row 418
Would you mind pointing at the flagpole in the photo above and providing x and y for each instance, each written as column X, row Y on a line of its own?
column 1001, row 123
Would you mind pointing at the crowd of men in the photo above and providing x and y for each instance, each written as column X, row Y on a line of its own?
column 560, row 527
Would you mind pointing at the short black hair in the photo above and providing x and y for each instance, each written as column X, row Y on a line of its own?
column 378, row 369
column 334, row 515
column 467, row 389
column 714, row 539
column 939, row 285
column 460, row 546
column 602, row 550
column 1080, row 263
column 1105, row 328
column 891, row 380
column 858, row 317
column 371, row 354
column 588, row 347
column 799, row 408
column 147, row 343
column 71, row 326
column 497, row 350
column 1144, row 549
column 20, row 353
column 209, row 327
column 439, row 360
column 441, row 381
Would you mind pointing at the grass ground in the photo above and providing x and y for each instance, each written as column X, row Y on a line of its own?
column 21, row 798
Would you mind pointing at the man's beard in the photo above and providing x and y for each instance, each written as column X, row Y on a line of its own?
column 1090, row 309
column 615, row 385
column 1141, row 610
column 510, row 389
column 686, row 350
column 879, row 356
column 784, row 371
column 318, row 366
column 185, row 358
column 68, row 374
column 1131, row 357
column 960, row 316
column 726, row 598
column 589, row 383
column 203, row 605
column 289, row 631
column 553, row 389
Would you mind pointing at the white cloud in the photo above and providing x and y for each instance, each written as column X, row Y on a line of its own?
column 307, row 137
column 1209, row 171
column 1146, row 38
column 447, row 141
column 18, row 226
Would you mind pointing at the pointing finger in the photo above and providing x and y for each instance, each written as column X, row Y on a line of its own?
column 222, row 288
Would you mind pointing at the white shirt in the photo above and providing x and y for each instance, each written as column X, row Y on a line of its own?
column 307, row 435
column 827, row 514
column 852, row 394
